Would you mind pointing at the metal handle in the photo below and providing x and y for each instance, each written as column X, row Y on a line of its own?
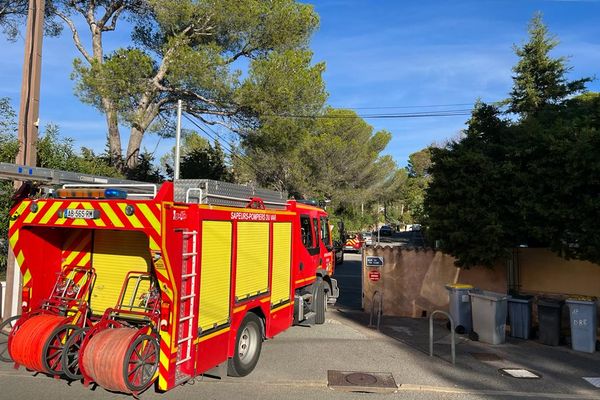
column 376, row 295
column 190, row 190
column 453, row 345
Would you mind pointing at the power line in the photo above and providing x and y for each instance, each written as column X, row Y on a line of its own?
column 405, row 107
column 422, row 114
column 231, row 152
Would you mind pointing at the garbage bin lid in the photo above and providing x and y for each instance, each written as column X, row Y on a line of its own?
column 459, row 286
column 520, row 298
column 493, row 296
column 550, row 302
column 581, row 299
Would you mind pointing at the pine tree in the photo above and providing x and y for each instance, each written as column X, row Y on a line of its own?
column 540, row 80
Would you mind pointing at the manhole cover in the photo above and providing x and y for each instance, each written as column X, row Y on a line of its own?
column 595, row 381
column 520, row 373
column 486, row 356
column 353, row 381
column 359, row 378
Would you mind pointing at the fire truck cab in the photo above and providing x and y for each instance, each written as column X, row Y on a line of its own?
column 172, row 281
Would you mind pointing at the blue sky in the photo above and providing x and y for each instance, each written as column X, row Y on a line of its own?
column 379, row 54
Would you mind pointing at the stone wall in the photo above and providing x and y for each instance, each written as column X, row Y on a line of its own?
column 543, row 272
column 413, row 281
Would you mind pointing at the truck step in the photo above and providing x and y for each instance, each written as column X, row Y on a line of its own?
column 181, row 377
column 309, row 318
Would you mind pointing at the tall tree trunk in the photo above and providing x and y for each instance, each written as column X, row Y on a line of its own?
column 112, row 120
column 114, row 136
column 133, row 149
column 145, row 117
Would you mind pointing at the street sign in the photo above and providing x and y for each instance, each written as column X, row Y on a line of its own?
column 374, row 261
column 374, row 275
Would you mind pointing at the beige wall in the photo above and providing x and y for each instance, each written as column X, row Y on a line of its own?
column 413, row 282
column 541, row 271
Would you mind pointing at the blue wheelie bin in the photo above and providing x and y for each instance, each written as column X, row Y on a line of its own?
column 460, row 306
column 519, row 315
column 584, row 323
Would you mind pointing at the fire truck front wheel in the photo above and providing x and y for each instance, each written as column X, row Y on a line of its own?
column 247, row 347
column 320, row 302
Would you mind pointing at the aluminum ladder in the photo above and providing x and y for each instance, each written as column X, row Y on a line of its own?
column 187, row 306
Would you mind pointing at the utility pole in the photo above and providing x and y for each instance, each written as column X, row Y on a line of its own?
column 178, row 140
column 29, row 112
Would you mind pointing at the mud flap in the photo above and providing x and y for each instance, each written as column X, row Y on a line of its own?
column 335, row 292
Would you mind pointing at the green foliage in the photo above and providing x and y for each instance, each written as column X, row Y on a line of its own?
column 342, row 159
column 417, row 182
column 335, row 157
column 144, row 170
column 195, row 51
column 6, row 192
column 89, row 163
column 533, row 181
column 463, row 204
column 539, row 79
column 122, row 77
column 56, row 152
column 13, row 14
column 419, row 163
column 205, row 163
column 9, row 147
column 190, row 141
column 279, row 88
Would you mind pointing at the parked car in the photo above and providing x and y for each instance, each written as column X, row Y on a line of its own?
column 368, row 238
column 386, row 230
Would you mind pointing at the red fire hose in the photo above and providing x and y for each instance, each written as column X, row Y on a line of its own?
column 104, row 356
column 27, row 345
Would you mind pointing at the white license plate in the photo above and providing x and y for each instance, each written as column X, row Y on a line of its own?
column 79, row 214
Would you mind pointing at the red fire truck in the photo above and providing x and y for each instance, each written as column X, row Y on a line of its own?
column 354, row 243
column 126, row 288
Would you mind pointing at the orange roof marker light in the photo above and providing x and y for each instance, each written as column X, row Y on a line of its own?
column 90, row 193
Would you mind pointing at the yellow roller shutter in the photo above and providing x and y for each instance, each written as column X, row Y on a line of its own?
column 252, row 274
column 215, row 275
column 282, row 253
column 115, row 253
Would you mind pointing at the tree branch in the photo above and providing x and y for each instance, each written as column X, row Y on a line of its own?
column 76, row 37
column 89, row 14
column 212, row 122
column 114, row 18
column 245, row 51
column 112, row 11
column 177, row 93
column 73, row 3
column 162, row 69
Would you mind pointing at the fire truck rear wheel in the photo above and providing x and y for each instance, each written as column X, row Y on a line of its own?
column 320, row 302
column 248, row 344
column 6, row 328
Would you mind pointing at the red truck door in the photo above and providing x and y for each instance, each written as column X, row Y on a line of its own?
column 310, row 253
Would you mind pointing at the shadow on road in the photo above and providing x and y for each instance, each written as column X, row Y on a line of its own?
column 561, row 368
column 349, row 276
